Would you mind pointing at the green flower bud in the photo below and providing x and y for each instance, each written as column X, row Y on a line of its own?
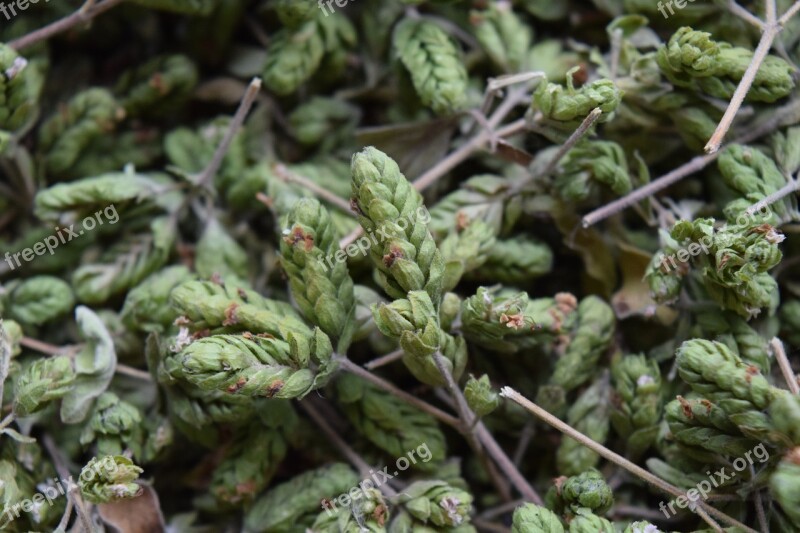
column 530, row 518
column 636, row 411
column 785, row 485
column 293, row 57
column 692, row 59
column 589, row 415
column 208, row 304
column 567, row 106
column 160, row 84
column 115, row 427
column 366, row 514
column 12, row 333
column 590, row 164
column 480, row 396
column 292, row 13
column 17, row 89
column 147, row 305
column 505, row 37
column 256, row 366
column 324, row 292
column 88, row 116
column 589, row 490
column 592, row 335
column 436, row 503
column 109, row 479
column 434, row 62
column 253, row 458
column 701, row 423
column 712, row 370
column 387, row 204
column 515, row 260
column 587, row 522
column 689, row 54
column 126, row 263
column 38, row 300
column 295, row 504
column 41, row 382
column 507, row 321
column 415, row 322
column 466, row 250
column 784, row 411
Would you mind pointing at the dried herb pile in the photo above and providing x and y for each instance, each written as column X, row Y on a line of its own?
column 399, row 266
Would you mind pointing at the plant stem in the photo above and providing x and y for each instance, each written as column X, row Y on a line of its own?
column 770, row 30
column 84, row 14
column 785, row 366
column 696, row 164
column 435, row 412
column 468, row 419
column 384, row 360
column 570, row 143
column 51, row 349
column 5, row 358
column 744, row 14
column 291, row 177
column 506, row 465
column 765, row 44
column 356, row 460
column 63, row 472
column 508, row 392
column 204, row 178
column 7, row 420
column 784, row 191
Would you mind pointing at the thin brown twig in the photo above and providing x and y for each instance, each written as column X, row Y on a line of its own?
column 508, row 392
column 785, row 366
column 292, row 177
column 74, row 493
column 483, row 435
column 744, row 14
column 468, row 419
column 770, row 199
column 505, row 464
column 437, row 413
column 207, row 174
column 770, row 30
column 52, row 349
column 64, row 24
column 568, row 145
column 696, row 164
column 760, row 513
column 10, row 417
column 356, row 460
column 384, row 359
